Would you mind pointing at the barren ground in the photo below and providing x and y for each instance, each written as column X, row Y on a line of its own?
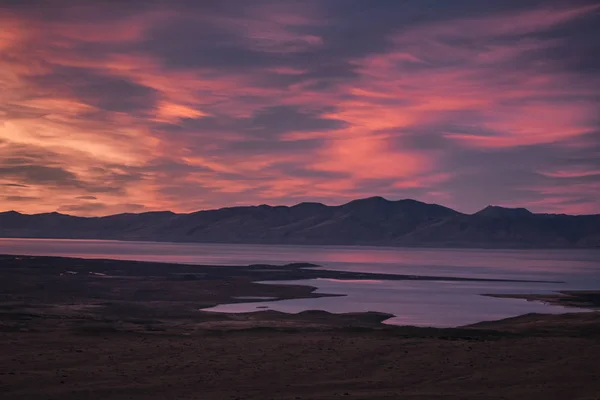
column 98, row 329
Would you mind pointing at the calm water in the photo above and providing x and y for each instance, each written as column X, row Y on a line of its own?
column 413, row 302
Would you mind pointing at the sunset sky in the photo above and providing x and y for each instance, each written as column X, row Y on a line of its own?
column 132, row 106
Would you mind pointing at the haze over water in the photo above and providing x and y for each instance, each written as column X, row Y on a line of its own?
column 429, row 303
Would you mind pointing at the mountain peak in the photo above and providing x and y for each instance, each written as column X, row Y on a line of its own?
column 11, row 212
column 306, row 204
column 497, row 211
column 369, row 200
column 55, row 214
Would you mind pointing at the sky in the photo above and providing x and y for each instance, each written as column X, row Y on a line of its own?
column 109, row 107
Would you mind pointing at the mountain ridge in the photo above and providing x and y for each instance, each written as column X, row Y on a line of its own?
column 374, row 221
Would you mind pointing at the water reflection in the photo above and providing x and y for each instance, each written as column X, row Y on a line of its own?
column 420, row 303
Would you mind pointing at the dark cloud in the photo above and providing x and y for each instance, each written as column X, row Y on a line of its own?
column 20, row 154
column 163, row 169
column 171, row 167
column 36, row 174
column 87, row 12
column 86, row 198
column 297, row 169
column 83, row 208
column 34, row 166
column 106, row 92
column 59, row 177
column 575, row 45
column 257, row 147
column 508, row 176
column 198, row 40
column 274, row 121
column 208, row 43
column 261, row 133
column 20, row 198
column 16, row 185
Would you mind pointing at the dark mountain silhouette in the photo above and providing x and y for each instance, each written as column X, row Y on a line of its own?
column 495, row 211
column 372, row 221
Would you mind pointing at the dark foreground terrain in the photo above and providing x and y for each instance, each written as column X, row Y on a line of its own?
column 99, row 329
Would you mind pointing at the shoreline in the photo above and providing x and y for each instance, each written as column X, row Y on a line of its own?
column 586, row 299
column 286, row 272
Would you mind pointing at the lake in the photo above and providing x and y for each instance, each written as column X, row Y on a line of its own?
column 422, row 303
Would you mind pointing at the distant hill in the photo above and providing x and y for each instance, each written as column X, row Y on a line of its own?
column 373, row 221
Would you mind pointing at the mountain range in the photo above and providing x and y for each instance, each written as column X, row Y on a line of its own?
column 373, row 221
